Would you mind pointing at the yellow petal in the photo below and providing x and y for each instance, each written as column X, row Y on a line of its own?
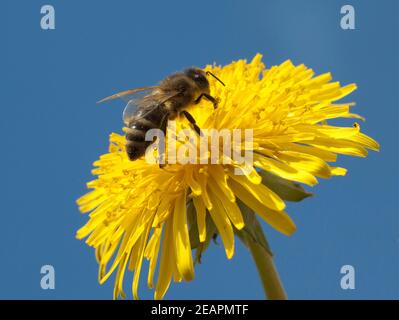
column 338, row 171
column 167, row 262
column 284, row 171
column 277, row 219
column 231, row 209
column 184, row 259
column 151, row 254
column 262, row 193
column 306, row 162
column 223, row 225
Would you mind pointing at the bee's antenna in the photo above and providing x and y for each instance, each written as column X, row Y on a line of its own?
column 208, row 72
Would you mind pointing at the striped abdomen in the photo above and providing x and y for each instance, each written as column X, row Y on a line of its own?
column 145, row 120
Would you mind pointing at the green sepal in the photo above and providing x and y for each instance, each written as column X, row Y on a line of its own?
column 252, row 230
column 192, row 225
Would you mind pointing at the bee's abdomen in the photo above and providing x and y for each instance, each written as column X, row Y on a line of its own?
column 135, row 136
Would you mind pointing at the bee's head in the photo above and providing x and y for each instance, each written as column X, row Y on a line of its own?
column 199, row 77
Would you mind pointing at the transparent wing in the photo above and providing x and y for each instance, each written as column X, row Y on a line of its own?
column 138, row 103
column 127, row 95
column 136, row 99
column 132, row 109
column 141, row 104
column 141, row 101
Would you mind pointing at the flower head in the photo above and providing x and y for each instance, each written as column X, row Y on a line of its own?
column 140, row 210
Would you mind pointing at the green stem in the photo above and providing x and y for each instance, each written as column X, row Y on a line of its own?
column 267, row 271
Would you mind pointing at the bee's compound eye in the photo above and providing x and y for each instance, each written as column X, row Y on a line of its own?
column 200, row 78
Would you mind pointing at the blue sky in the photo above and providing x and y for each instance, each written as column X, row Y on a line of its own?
column 52, row 131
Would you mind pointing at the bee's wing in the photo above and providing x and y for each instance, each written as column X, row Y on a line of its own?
column 132, row 109
column 141, row 101
column 139, row 106
column 127, row 95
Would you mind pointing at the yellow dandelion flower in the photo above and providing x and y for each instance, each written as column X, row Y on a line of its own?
column 142, row 211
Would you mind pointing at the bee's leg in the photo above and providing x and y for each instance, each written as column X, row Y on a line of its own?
column 208, row 97
column 161, row 150
column 191, row 119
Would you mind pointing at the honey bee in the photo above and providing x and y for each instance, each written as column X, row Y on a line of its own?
column 158, row 104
